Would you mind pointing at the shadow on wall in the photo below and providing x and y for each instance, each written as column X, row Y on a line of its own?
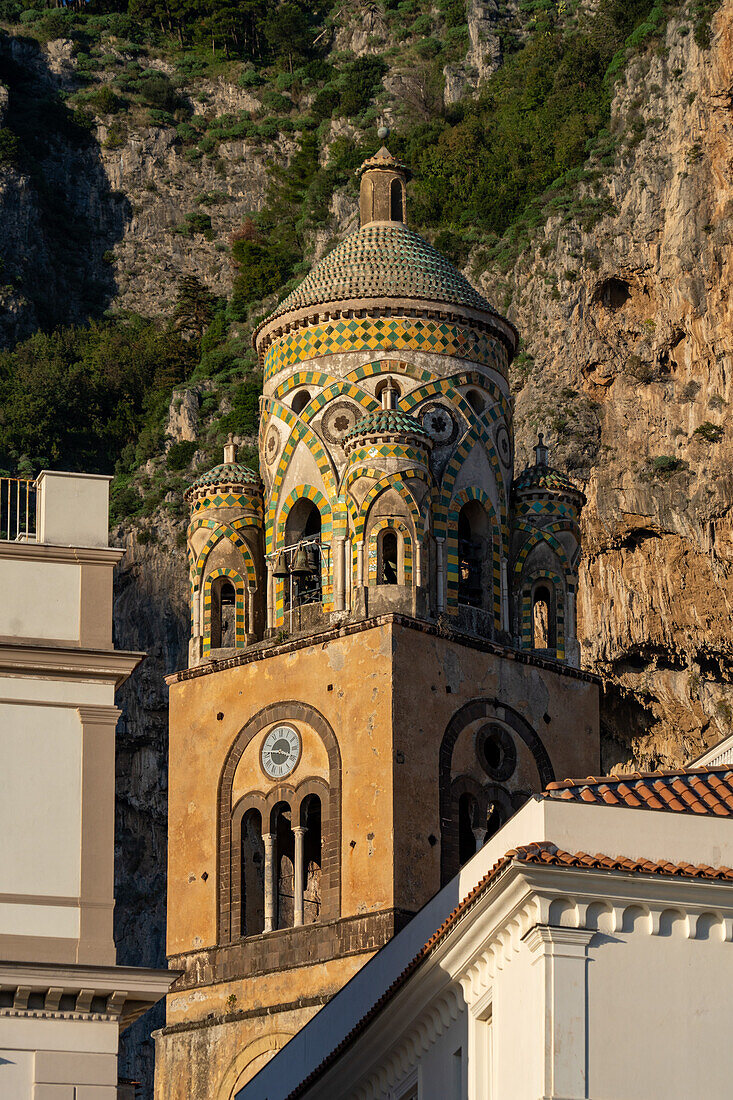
column 59, row 217
column 150, row 615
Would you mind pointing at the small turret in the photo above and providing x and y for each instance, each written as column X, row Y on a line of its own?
column 226, row 557
column 383, row 195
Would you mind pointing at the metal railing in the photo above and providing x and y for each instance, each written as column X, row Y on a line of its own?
column 17, row 510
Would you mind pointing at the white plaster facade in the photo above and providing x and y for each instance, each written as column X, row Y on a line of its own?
column 62, row 999
column 552, row 981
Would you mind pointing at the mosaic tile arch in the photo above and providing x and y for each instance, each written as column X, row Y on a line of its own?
column 535, row 536
column 478, row 433
column 475, row 378
column 221, row 531
column 299, row 430
column 526, row 640
column 373, row 550
column 339, row 390
column 303, row 378
column 276, row 536
column 240, row 633
column 390, row 366
column 390, row 481
column 470, row 493
column 439, row 387
column 353, row 473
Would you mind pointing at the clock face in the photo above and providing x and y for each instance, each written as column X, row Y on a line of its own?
column 280, row 752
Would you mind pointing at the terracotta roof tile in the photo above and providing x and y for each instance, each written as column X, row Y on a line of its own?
column 698, row 790
column 544, row 853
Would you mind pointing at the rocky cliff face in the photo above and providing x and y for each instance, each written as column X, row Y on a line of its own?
column 629, row 324
column 626, row 319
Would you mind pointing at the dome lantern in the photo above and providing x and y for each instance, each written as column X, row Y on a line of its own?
column 383, row 194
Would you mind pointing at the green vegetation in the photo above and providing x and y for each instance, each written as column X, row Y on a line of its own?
column 664, row 465
column 711, row 433
column 535, row 142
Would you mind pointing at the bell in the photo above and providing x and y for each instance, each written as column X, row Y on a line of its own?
column 281, row 566
column 300, row 565
column 312, row 556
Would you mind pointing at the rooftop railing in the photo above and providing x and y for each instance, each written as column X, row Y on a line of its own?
column 17, row 510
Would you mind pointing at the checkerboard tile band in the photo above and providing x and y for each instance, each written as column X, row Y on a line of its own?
column 388, row 334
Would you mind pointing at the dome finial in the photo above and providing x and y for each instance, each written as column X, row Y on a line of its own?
column 540, row 451
column 230, row 450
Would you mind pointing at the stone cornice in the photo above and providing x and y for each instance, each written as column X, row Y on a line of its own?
column 349, row 628
column 67, row 663
column 71, row 555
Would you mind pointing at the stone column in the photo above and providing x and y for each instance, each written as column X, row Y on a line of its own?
column 417, row 564
column 269, row 842
column 299, row 832
column 440, row 556
column 270, row 596
column 505, row 596
column 360, row 563
column 339, row 601
column 348, row 572
column 250, row 624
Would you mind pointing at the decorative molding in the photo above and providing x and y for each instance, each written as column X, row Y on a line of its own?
column 71, row 555
column 50, row 662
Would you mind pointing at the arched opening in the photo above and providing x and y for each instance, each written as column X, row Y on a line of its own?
column 396, row 201
column 284, row 860
column 223, row 614
column 543, row 619
column 387, row 572
column 310, row 818
column 366, row 200
column 476, row 401
column 303, row 583
column 299, row 402
column 470, row 831
column 473, row 530
column 253, row 875
column 387, row 383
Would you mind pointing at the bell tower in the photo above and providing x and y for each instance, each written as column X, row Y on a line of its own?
column 404, row 668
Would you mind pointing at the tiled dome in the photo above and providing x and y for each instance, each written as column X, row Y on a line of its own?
column 226, row 475
column 384, row 261
column 388, row 421
column 544, row 478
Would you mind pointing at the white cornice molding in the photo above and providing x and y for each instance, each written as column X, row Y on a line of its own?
column 70, row 555
column 99, row 715
column 59, row 663
column 128, row 991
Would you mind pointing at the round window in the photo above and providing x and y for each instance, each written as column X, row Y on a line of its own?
column 496, row 751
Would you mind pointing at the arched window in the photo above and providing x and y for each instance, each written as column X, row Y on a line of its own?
column 366, row 198
column 543, row 619
column 397, row 206
column 284, row 864
column 300, row 401
column 253, row 875
column 476, row 401
column 388, row 558
column 223, row 614
column 473, row 529
column 310, row 819
column 304, row 581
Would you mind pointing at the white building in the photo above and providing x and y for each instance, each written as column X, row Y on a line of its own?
column 543, row 972
column 62, row 998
